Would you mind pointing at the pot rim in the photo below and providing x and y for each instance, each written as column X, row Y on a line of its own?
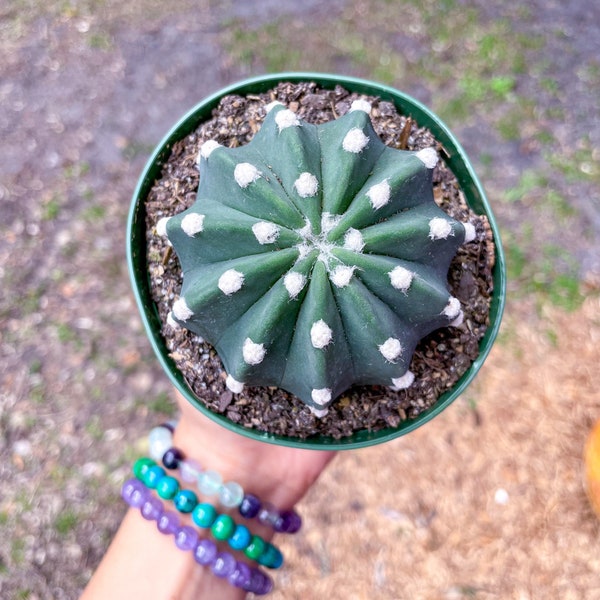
column 456, row 159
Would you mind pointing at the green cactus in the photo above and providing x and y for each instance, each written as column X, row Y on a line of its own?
column 315, row 257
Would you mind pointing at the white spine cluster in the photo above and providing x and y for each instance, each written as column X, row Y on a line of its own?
column 401, row 278
column 161, row 226
column 361, row 105
column 231, row 282
column 321, row 396
column 245, row 174
column 341, row 275
column 294, row 282
column 470, row 233
column 452, row 309
column 428, row 156
column 319, row 413
column 320, row 334
column 329, row 221
column 269, row 107
column 355, row 141
column 353, row 240
column 253, row 353
column 234, row 385
column 207, row 149
column 192, row 224
column 380, row 194
column 401, row 383
column 439, row 228
column 181, row 310
column 286, row 118
column 391, row 349
column 171, row 322
column 265, row 232
column 307, row 185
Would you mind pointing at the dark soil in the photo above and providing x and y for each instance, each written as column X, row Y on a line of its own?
column 440, row 359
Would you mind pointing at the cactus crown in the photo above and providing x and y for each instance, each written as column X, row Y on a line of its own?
column 315, row 257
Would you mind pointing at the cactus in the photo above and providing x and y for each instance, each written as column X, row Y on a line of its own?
column 315, row 257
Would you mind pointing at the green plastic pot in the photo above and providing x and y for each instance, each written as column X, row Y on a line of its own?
column 458, row 163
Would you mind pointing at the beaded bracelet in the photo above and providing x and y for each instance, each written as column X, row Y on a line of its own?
column 222, row 564
column 222, row 527
column 209, row 482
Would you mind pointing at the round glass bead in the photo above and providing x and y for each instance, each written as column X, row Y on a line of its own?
column 152, row 509
column 231, row 494
column 256, row 547
column 172, row 457
column 189, row 470
column 160, row 440
column 241, row 576
column 141, row 465
column 260, row 583
column 209, row 482
column 185, row 501
column 186, row 538
column 223, row 527
column 224, row 564
column 153, row 475
column 240, row 538
column 268, row 515
column 205, row 552
column 271, row 557
column 134, row 492
column 250, row 506
column 167, row 487
column 288, row 521
column 204, row 515
column 168, row 522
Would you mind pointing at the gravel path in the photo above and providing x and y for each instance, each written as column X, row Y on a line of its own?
column 84, row 96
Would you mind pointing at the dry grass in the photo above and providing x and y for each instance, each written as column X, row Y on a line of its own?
column 481, row 503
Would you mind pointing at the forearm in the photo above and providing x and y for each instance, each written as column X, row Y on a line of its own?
column 143, row 563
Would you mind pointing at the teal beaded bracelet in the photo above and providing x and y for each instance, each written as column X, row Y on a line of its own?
column 221, row 526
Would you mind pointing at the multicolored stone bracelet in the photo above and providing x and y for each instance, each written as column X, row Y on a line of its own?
column 206, row 553
column 221, row 526
column 210, row 483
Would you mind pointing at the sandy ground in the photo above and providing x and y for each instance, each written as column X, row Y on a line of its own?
column 487, row 501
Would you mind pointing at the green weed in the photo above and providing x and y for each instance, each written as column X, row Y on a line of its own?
column 550, row 274
column 93, row 213
column 530, row 181
column 94, row 428
column 17, row 551
column 51, row 208
column 66, row 522
column 162, row 404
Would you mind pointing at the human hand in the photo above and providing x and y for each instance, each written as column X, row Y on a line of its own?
column 277, row 474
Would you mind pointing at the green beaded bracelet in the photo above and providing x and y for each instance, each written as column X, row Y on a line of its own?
column 204, row 515
column 255, row 548
column 222, row 526
column 167, row 487
column 185, row 501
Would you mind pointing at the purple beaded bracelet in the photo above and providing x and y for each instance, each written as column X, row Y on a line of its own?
column 209, row 482
column 206, row 553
